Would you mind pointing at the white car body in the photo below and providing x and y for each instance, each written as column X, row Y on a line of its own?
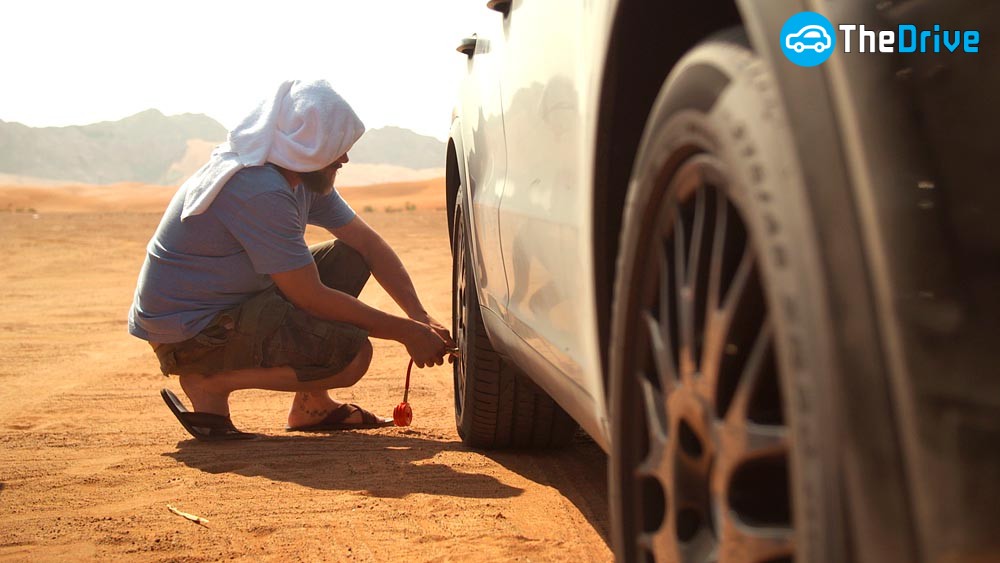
column 528, row 134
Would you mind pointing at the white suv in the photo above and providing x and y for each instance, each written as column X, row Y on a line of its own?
column 767, row 291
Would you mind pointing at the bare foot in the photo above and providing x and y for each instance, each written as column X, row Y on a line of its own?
column 204, row 396
column 311, row 408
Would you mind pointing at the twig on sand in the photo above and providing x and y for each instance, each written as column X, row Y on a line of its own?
column 191, row 517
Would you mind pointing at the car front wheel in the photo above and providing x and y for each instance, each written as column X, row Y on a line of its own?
column 496, row 406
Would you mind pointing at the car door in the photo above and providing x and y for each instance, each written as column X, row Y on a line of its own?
column 486, row 157
column 548, row 83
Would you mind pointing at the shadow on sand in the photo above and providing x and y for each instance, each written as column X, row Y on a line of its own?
column 396, row 465
column 392, row 466
column 579, row 472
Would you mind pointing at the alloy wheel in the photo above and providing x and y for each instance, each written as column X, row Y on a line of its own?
column 707, row 469
column 459, row 313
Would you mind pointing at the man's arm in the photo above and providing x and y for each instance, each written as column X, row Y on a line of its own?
column 388, row 270
column 304, row 289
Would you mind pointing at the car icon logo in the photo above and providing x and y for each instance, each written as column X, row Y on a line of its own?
column 808, row 39
column 811, row 37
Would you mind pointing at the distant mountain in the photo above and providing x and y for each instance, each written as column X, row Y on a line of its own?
column 152, row 148
column 400, row 147
column 140, row 148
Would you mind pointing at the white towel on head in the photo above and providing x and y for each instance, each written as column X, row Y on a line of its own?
column 303, row 127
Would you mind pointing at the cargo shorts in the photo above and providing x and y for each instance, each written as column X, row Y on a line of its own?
column 268, row 331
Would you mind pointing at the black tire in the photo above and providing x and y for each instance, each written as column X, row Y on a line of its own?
column 496, row 406
column 721, row 393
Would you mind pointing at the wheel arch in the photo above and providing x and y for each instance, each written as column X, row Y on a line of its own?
column 454, row 173
column 627, row 94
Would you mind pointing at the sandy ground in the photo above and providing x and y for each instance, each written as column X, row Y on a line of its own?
column 90, row 457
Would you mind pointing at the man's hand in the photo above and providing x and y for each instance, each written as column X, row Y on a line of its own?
column 425, row 345
column 440, row 330
column 436, row 327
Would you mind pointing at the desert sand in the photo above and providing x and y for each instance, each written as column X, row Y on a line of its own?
column 91, row 457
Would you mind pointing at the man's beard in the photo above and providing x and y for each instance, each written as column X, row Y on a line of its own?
column 317, row 182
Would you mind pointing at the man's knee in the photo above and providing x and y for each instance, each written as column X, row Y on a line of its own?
column 348, row 376
column 352, row 263
column 341, row 266
column 350, row 254
column 361, row 362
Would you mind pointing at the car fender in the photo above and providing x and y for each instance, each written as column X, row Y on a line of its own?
column 459, row 168
column 457, row 192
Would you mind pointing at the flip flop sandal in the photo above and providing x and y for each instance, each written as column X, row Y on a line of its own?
column 335, row 420
column 206, row 427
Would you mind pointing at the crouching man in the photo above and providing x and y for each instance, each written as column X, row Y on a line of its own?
column 230, row 296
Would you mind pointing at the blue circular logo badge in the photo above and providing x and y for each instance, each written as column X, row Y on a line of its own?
column 808, row 39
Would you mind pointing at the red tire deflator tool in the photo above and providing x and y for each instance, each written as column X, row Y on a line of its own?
column 402, row 415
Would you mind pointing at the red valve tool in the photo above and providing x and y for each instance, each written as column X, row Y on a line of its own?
column 402, row 415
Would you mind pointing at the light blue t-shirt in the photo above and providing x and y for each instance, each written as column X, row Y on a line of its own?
column 222, row 257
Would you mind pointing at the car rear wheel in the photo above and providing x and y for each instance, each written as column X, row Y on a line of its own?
column 496, row 406
column 718, row 383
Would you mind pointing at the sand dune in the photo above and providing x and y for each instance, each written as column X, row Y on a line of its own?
column 142, row 198
column 71, row 198
column 19, row 180
column 359, row 174
column 197, row 153
column 354, row 174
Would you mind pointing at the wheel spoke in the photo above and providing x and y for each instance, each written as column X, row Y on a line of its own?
column 740, row 443
column 764, row 439
column 696, row 278
column 659, row 545
column 654, row 406
column 718, row 250
column 668, row 303
column 685, row 300
column 741, row 543
column 717, row 326
column 663, row 356
column 750, row 375
column 697, row 231
column 680, row 267
column 740, row 282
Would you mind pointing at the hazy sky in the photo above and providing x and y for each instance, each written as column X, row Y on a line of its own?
column 76, row 62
